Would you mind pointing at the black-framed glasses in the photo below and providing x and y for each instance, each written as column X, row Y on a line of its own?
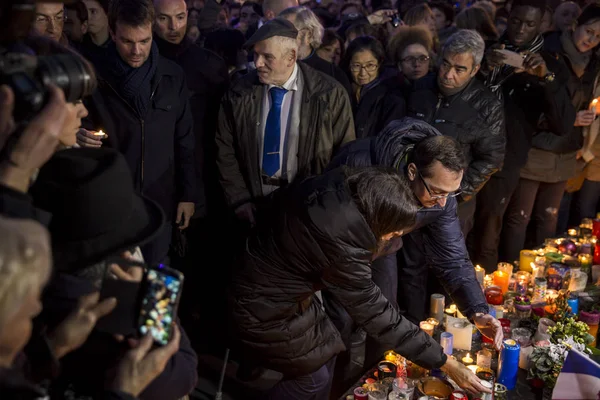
column 368, row 67
column 438, row 196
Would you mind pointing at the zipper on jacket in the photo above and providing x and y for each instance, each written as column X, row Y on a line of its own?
column 144, row 135
column 437, row 108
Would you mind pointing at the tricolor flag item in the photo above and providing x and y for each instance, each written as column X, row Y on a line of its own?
column 579, row 378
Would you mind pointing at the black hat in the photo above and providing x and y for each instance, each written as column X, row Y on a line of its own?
column 95, row 210
column 275, row 27
column 590, row 13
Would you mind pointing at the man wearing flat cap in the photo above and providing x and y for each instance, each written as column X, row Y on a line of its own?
column 281, row 122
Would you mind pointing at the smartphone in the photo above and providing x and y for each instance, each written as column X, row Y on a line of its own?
column 161, row 292
column 512, row 58
column 396, row 20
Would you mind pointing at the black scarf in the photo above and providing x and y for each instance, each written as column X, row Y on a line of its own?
column 500, row 74
column 133, row 84
column 172, row 50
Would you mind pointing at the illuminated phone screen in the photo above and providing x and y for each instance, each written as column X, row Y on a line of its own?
column 159, row 305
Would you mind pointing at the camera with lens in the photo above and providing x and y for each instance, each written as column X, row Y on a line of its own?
column 29, row 77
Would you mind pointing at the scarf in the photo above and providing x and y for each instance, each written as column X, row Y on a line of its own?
column 579, row 61
column 172, row 50
column 133, row 84
column 500, row 74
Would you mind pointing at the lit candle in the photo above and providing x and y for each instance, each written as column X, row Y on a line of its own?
column 488, row 281
column 593, row 105
column 507, row 268
column 551, row 294
column 501, row 280
column 522, row 281
column 434, row 322
column 451, row 310
column 427, row 327
column 391, row 356
column 99, row 133
column 467, row 359
column 473, row 368
column 585, row 260
column 525, row 259
column 480, row 274
column 572, row 232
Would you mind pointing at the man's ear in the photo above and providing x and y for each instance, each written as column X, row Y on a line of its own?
column 475, row 70
column 84, row 27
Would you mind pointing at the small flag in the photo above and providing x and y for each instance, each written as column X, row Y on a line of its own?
column 579, row 378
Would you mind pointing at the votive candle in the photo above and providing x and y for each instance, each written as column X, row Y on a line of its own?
column 522, row 282
column 427, row 327
column 480, row 274
column 501, row 279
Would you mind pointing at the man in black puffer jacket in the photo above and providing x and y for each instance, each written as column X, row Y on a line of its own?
column 434, row 166
column 460, row 106
column 322, row 233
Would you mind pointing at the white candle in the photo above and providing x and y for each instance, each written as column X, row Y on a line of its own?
column 480, row 274
column 467, row 359
column 462, row 332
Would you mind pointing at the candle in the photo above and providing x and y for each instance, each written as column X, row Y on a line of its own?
column 539, row 289
column 451, row 310
column 593, row 105
column 508, row 365
column 473, row 368
column 462, row 332
column 99, row 133
column 480, row 274
column 551, row 294
column 501, row 279
column 446, row 341
column 526, row 258
column 585, row 260
column 484, row 358
column 391, row 356
column 522, row 281
column 436, row 309
column 507, row 268
column 434, row 322
column 488, row 280
column 467, row 359
column 427, row 327
column 572, row 232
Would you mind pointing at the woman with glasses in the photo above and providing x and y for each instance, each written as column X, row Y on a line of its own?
column 411, row 49
column 374, row 104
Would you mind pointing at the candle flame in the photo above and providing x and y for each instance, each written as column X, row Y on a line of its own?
column 99, row 133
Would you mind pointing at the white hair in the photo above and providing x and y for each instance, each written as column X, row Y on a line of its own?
column 306, row 19
column 465, row 41
column 25, row 258
column 286, row 45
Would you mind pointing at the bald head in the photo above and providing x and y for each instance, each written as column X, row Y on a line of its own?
column 272, row 8
column 171, row 20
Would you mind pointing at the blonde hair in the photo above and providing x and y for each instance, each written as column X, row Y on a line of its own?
column 407, row 35
column 25, row 259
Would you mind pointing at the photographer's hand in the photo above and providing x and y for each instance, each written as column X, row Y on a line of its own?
column 36, row 144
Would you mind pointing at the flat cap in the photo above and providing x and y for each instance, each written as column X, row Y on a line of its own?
column 275, row 27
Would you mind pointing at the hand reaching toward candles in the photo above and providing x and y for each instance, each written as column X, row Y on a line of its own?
column 463, row 377
column 489, row 327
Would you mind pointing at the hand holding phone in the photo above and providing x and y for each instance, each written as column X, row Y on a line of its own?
column 158, row 311
column 511, row 58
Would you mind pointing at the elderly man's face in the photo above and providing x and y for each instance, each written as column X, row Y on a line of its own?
column 274, row 63
column 456, row 71
column 49, row 20
column 171, row 20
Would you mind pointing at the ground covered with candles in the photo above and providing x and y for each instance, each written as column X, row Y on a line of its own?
column 548, row 303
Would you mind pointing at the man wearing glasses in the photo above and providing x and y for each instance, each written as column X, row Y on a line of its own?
column 434, row 165
column 50, row 21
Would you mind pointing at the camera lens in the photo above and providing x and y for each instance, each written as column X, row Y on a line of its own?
column 71, row 73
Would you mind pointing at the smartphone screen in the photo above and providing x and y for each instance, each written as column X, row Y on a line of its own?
column 159, row 303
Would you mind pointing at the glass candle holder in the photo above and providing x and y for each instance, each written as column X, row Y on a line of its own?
column 494, row 296
column 539, row 289
column 526, row 257
column 501, row 279
column 522, row 282
column 427, row 327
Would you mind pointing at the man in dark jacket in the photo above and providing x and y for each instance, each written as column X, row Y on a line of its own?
column 540, row 89
column 283, row 121
column 434, row 166
column 142, row 104
column 322, row 233
column 207, row 78
column 460, row 106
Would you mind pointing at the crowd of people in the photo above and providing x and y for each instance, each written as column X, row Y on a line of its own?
column 316, row 170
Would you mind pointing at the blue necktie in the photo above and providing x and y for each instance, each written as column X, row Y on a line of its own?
column 272, row 140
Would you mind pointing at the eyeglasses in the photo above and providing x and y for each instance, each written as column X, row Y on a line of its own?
column 438, row 196
column 417, row 60
column 358, row 67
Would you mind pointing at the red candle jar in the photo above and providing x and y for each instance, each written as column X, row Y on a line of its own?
column 494, row 296
column 597, row 254
column 505, row 326
column 596, row 228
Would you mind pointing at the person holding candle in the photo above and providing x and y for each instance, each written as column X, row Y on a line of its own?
column 323, row 233
column 434, row 166
column 553, row 159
